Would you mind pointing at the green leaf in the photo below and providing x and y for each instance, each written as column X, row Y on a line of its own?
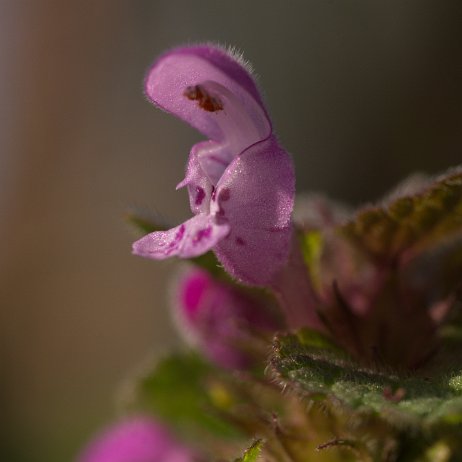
column 437, row 270
column 317, row 341
column 181, row 390
column 398, row 264
column 312, row 247
column 252, row 453
column 414, row 221
column 319, row 374
column 146, row 222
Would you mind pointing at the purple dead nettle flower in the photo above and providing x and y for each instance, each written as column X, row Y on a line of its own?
column 240, row 181
column 219, row 319
column 136, row 439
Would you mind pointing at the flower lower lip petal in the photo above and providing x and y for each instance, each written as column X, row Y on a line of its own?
column 190, row 239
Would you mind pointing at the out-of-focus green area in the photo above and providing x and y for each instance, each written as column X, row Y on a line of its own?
column 362, row 93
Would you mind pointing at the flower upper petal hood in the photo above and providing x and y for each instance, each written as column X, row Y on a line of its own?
column 217, row 81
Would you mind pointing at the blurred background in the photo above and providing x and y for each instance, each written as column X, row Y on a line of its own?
column 361, row 92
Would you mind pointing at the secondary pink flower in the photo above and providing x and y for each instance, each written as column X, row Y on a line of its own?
column 240, row 181
column 219, row 319
column 137, row 439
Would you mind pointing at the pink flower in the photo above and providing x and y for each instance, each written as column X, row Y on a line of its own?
column 220, row 320
column 240, row 181
column 137, row 439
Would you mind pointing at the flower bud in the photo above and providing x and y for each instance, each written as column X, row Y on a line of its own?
column 220, row 320
column 136, row 439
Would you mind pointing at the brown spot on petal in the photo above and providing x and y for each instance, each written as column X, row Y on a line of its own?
column 205, row 101
column 240, row 241
column 200, row 195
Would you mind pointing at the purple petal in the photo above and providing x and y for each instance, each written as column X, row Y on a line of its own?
column 256, row 195
column 138, row 439
column 240, row 182
column 190, row 239
column 212, row 91
column 185, row 67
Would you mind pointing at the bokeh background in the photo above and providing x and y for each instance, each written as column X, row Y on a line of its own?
column 362, row 92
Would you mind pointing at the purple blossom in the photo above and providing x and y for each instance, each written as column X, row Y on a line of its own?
column 137, row 439
column 219, row 319
column 240, row 181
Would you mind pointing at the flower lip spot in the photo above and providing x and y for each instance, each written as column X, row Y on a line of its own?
column 205, row 101
column 200, row 195
column 179, row 235
column 201, row 234
column 240, row 241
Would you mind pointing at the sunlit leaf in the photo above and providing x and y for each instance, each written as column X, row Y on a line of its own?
column 400, row 400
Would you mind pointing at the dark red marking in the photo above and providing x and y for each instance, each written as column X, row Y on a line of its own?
column 200, row 195
column 173, row 244
column 205, row 100
column 178, row 236
column 240, row 241
column 201, row 234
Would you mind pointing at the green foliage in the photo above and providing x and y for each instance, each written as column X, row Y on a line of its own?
column 384, row 282
column 145, row 223
column 181, row 390
column 407, row 400
column 317, row 341
column 312, row 245
column 391, row 266
column 411, row 222
column 252, row 453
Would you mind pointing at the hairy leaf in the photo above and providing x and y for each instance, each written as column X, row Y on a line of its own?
column 400, row 400
column 411, row 222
